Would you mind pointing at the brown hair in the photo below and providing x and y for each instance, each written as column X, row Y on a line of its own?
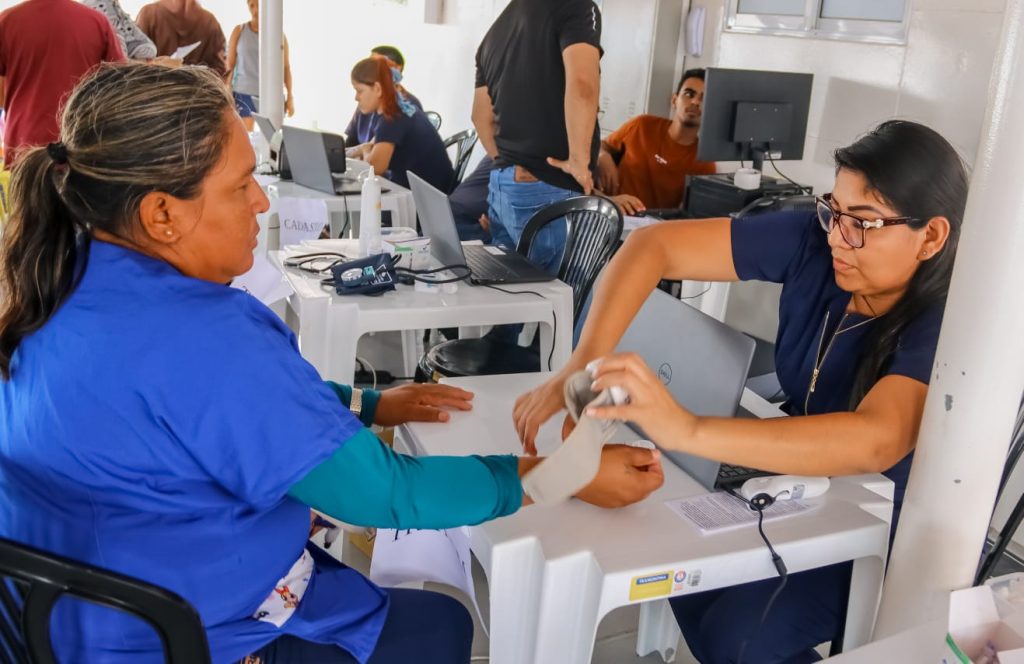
column 377, row 70
column 126, row 130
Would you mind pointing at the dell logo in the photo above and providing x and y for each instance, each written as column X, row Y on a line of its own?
column 665, row 373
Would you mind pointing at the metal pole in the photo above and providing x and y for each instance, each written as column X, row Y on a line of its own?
column 272, row 60
column 979, row 369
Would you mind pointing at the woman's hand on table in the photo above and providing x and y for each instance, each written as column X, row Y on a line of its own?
column 415, row 402
column 650, row 406
column 536, row 407
column 630, row 205
column 627, row 475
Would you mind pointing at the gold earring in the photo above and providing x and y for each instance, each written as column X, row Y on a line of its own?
column 168, row 232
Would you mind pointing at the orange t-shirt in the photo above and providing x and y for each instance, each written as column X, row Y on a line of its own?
column 653, row 166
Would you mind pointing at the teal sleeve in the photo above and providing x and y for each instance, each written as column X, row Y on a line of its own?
column 366, row 483
column 370, row 400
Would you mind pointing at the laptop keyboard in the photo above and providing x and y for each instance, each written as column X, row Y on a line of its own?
column 729, row 474
column 484, row 265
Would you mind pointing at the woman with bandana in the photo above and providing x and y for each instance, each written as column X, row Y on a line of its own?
column 405, row 140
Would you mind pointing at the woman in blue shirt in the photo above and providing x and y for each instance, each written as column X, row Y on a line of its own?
column 159, row 423
column 864, row 288
column 405, row 140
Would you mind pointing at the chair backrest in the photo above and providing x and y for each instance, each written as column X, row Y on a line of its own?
column 464, row 142
column 435, row 119
column 593, row 231
column 31, row 582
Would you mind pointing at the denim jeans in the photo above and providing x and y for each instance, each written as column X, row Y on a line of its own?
column 512, row 204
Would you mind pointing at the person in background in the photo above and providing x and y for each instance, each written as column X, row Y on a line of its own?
column 244, row 67
column 649, row 157
column 362, row 128
column 159, row 423
column 172, row 24
column 405, row 141
column 46, row 46
column 134, row 42
column 537, row 69
column 469, row 203
column 864, row 281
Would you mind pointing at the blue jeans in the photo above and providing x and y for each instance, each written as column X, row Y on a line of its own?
column 809, row 611
column 511, row 204
column 422, row 626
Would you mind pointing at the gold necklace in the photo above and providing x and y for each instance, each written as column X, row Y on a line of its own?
column 819, row 358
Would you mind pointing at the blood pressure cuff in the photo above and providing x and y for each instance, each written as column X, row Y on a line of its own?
column 372, row 275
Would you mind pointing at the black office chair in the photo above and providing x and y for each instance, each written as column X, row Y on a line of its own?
column 593, row 229
column 435, row 119
column 464, row 142
column 31, row 582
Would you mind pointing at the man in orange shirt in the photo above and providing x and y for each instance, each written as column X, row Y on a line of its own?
column 649, row 157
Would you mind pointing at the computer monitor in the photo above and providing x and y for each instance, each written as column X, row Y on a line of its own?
column 751, row 114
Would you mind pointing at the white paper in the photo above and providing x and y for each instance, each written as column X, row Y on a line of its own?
column 439, row 556
column 301, row 219
column 695, row 31
column 263, row 281
column 184, row 51
column 720, row 511
column 630, row 223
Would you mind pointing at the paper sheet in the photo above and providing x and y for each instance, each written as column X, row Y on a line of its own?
column 263, row 281
column 183, row 51
column 439, row 556
column 630, row 223
column 301, row 219
column 717, row 511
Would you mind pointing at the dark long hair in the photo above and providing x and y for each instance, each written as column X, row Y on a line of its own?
column 126, row 130
column 919, row 174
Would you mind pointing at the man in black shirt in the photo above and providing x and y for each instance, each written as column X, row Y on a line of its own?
column 535, row 110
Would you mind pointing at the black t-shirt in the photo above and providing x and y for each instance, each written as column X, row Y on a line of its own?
column 520, row 63
column 418, row 148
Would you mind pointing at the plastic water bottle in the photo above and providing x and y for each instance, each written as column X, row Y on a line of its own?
column 369, row 216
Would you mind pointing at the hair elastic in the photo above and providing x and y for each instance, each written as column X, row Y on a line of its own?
column 58, row 153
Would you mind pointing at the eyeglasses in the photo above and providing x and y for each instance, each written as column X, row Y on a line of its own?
column 852, row 227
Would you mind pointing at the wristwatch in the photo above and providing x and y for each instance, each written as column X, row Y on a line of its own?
column 356, row 402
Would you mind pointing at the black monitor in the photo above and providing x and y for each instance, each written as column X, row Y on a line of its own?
column 749, row 114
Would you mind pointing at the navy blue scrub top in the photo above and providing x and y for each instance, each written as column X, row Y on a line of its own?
column 418, row 148
column 790, row 248
column 154, row 426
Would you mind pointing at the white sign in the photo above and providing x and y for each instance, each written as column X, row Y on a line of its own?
column 301, row 219
column 440, row 556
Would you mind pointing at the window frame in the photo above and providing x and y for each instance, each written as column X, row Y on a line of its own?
column 812, row 26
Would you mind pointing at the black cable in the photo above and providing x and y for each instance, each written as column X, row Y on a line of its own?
column 806, row 190
column 703, row 292
column 554, row 316
column 780, row 565
column 299, row 262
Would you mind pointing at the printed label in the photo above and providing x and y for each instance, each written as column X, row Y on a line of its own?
column 650, row 585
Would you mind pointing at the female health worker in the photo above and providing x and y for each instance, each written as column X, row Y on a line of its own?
column 159, row 423
column 864, row 288
column 405, row 140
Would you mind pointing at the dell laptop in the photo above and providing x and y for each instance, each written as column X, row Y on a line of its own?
column 487, row 264
column 307, row 159
column 704, row 364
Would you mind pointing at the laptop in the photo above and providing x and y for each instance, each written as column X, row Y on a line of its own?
column 307, row 160
column 704, row 364
column 487, row 264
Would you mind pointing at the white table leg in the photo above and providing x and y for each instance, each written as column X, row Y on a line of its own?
column 658, row 630
column 516, row 573
column 865, row 590
column 568, row 618
column 412, row 349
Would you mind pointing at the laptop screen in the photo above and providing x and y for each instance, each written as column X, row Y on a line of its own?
column 265, row 125
column 307, row 159
column 435, row 213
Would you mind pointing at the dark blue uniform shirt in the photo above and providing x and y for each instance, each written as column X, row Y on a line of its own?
column 790, row 248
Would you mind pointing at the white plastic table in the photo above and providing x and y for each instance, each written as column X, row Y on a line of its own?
column 555, row 572
column 397, row 199
column 330, row 325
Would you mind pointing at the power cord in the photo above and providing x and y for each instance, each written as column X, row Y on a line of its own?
column 803, row 188
column 758, row 503
column 703, row 292
column 554, row 317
